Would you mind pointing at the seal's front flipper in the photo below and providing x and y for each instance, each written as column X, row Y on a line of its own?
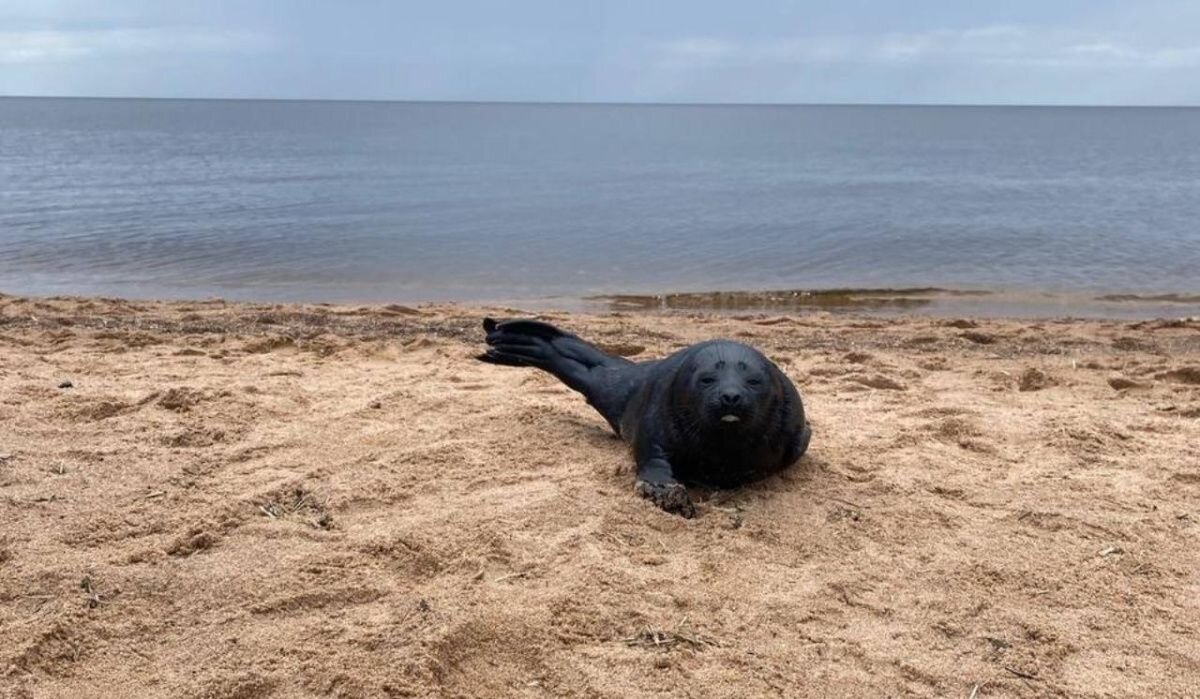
column 656, row 484
column 805, row 438
column 799, row 446
column 671, row 497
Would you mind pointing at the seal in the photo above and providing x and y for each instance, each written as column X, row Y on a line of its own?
column 716, row 414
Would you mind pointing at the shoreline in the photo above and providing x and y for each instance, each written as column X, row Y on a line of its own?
column 938, row 302
column 932, row 301
column 211, row 498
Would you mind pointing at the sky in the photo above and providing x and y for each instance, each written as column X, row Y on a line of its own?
column 1089, row 52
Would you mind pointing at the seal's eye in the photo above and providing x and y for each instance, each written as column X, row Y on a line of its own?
column 753, row 382
column 707, row 380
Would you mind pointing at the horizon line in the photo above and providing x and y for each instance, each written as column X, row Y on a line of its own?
column 611, row 103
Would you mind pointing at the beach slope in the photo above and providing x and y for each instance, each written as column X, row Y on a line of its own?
column 220, row 500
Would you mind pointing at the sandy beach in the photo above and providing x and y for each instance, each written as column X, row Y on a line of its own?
column 223, row 500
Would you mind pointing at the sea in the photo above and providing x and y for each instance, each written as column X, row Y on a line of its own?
column 1015, row 210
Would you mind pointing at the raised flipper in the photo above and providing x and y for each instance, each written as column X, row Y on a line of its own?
column 533, row 343
column 606, row 381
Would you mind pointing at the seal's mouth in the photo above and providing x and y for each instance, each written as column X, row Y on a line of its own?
column 730, row 418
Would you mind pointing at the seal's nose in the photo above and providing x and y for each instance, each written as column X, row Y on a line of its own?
column 730, row 400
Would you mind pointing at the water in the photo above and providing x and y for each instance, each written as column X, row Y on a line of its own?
column 340, row 201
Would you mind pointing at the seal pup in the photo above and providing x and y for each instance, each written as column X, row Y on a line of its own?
column 715, row 414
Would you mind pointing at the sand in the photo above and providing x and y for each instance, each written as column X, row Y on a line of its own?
column 243, row 501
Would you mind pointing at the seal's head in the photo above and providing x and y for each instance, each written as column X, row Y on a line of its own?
column 731, row 385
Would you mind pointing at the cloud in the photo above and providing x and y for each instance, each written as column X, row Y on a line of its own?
column 696, row 53
column 51, row 45
column 988, row 45
column 1107, row 53
column 699, row 47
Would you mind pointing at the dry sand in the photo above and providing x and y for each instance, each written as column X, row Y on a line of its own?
column 243, row 501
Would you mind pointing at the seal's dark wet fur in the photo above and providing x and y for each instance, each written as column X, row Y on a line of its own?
column 716, row 413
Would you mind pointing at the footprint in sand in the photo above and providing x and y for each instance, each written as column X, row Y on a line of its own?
column 394, row 309
column 181, row 399
column 193, row 438
column 1185, row 375
column 419, row 343
column 1133, row 344
column 1120, row 383
column 195, row 540
column 962, row 432
column 921, row 341
column 979, row 338
column 268, row 344
column 877, row 381
column 1033, row 379
column 939, row 411
column 99, row 409
column 465, row 385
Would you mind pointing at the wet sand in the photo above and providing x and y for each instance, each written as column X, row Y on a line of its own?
column 237, row 500
column 928, row 301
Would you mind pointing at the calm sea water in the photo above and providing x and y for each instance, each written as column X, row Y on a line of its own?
column 404, row 201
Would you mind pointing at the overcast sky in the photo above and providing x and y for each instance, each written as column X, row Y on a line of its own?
column 910, row 51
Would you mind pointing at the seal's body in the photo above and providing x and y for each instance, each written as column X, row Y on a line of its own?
column 716, row 413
